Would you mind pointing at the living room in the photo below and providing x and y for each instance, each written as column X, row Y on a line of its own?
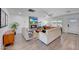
column 40, row 28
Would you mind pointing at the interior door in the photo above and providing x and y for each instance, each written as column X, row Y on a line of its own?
column 73, row 26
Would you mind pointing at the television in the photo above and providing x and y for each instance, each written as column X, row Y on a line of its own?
column 33, row 21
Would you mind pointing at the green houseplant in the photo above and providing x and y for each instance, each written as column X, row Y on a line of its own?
column 14, row 26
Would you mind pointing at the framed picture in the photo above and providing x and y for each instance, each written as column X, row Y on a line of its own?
column 3, row 19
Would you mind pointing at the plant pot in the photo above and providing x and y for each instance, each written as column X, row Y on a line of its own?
column 14, row 32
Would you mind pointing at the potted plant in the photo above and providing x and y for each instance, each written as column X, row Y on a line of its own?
column 14, row 26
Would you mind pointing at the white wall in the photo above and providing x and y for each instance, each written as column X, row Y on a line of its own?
column 22, row 20
column 66, row 20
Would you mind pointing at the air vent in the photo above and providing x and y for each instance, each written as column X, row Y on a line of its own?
column 68, row 11
column 31, row 10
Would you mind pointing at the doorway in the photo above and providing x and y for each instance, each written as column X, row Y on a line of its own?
column 72, row 26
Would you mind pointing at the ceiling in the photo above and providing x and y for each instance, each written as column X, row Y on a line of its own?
column 42, row 12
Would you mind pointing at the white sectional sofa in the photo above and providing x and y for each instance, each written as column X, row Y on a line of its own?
column 50, row 35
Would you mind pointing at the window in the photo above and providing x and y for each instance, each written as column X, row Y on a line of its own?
column 57, row 22
column 3, row 18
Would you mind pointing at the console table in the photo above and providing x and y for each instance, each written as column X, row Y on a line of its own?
column 8, row 38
